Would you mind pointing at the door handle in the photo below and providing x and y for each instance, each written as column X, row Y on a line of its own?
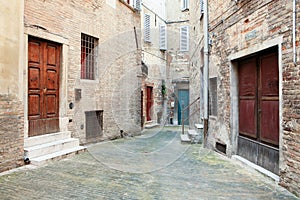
column 45, row 90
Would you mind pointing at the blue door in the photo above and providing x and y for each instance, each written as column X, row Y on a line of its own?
column 183, row 101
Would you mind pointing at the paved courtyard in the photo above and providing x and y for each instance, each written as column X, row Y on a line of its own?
column 152, row 166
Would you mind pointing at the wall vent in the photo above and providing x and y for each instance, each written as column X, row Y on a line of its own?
column 94, row 124
column 221, row 147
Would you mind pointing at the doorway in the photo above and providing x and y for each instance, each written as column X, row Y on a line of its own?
column 44, row 58
column 258, row 139
column 183, row 102
column 149, row 103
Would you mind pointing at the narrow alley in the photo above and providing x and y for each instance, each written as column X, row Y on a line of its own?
column 155, row 165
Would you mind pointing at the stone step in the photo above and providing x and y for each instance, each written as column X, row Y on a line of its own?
column 57, row 155
column 47, row 138
column 194, row 136
column 199, row 126
column 152, row 125
column 185, row 138
column 51, row 147
column 192, row 132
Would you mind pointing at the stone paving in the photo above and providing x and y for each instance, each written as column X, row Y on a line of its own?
column 152, row 166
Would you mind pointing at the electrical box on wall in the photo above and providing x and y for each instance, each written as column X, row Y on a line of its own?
column 77, row 94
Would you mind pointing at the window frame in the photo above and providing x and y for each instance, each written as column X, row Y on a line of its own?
column 89, row 57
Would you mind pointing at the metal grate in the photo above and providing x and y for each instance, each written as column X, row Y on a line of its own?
column 89, row 52
column 221, row 147
column 94, row 124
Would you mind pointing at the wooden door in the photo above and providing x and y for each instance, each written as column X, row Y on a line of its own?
column 259, row 110
column 269, row 100
column 149, row 103
column 43, row 86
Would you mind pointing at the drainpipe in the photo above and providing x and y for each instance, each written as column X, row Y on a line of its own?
column 205, row 69
column 294, row 33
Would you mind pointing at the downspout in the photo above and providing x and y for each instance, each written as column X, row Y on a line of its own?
column 294, row 33
column 205, row 69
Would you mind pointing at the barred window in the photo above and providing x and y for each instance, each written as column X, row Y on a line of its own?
column 89, row 54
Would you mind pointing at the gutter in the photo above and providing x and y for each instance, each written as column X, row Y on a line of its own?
column 205, row 69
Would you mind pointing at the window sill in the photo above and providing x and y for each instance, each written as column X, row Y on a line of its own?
column 89, row 81
column 185, row 10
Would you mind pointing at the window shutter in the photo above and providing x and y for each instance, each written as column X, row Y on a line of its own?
column 147, row 28
column 202, row 7
column 162, row 37
column 184, row 38
column 184, row 4
column 137, row 4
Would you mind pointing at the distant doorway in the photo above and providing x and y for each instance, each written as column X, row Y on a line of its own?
column 183, row 101
column 149, row 103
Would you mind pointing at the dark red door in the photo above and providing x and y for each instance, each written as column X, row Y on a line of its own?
column 269, row 99
column 149, row 103
column 43, row 86
column 247, row 103
column 259, row 110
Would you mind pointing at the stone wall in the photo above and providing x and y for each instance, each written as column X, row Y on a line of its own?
column 116, row 88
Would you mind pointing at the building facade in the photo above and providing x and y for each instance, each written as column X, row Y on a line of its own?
column 11, row 97
column 253, row 83
column 97, row 81
column 166, row 57
column 70, row 74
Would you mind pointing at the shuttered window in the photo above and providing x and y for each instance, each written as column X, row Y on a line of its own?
column 162, row 37
column 147, row 28
column 184, row 5
column 184, row 38
column 137, row 4
column 202, row 6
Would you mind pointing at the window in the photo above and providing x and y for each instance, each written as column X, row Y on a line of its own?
column 184, row 5
column 213, row 96
column 162, row 37
column 184, row 38
column 147, row 28
column 202, row 6
column 89, row 52
column 137, row 4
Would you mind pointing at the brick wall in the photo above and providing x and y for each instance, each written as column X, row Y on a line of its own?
column 11, row 132
column 118, row 59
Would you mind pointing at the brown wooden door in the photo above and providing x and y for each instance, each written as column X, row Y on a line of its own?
column 149, row 103
column 43, row 86
column 259, row 110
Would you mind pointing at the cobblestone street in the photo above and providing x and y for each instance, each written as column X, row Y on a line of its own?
column 152, row 166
